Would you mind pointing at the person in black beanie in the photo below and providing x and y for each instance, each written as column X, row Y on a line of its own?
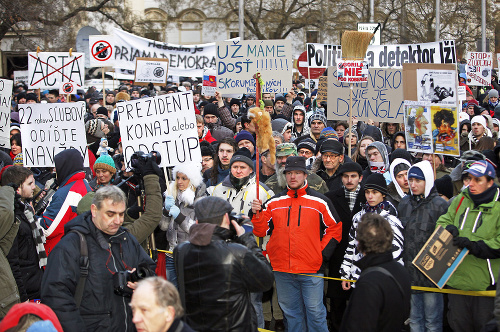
column 213, row 123
column 444, row 187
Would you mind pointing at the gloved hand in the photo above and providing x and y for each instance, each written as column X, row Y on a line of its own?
column 453, row 230
column 174, row 211
column 151, row 167
column 169, row 202
column 134, row 211
column 461, row 242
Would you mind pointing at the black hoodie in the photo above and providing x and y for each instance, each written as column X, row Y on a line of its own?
column 68, row 162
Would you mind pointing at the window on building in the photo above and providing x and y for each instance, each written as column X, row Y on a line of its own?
column 153, row 36
column 234, row 34
column 312, row 36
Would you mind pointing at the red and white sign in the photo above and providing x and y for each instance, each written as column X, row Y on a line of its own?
column 351, row 71
column 315, row 73
column 479, row 66
column 47, row 70
column 67, row 88
column 101, row 51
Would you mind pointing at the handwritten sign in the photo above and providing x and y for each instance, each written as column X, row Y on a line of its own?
column 238, row 61
column 323, row 55
column 479, row 66
column 47, row 129
column 322, row 89
column 5, row 104
column 47, row 70
column 379, row 99
column 165, row 123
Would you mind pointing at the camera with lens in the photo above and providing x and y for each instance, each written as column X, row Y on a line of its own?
column 140, row 158
column 121, row 278
column 240, row 220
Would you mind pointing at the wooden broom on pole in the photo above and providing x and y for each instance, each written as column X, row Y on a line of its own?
column 354, row 46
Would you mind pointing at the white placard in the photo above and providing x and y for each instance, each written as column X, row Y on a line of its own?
column 47, row 129
column 165, row 123
column 151, row 71
column 370, row 27
column 462, row 92
column 67, row 88
column 437, row 86
column 351, row 71
column 239, row 61
column 323, row 55
column 47, row 70
column 21, row 76
column 101, row 51
column 209, row 82
column 478, row 69
column 5, row 105
column 311, row 84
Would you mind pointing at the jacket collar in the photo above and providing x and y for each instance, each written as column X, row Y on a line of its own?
column 299, row 192
column 374, row 260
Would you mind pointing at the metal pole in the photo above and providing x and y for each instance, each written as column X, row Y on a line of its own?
column 241, row 18
column 438, row 18
column 372, row 11
column 483, row 26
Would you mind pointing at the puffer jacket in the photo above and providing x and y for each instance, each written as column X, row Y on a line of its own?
column 419, row 214
column 9, row 294
column 178, row 228
column 304, row 228
column 219, row 274
column 101, row 309
column 477, row 223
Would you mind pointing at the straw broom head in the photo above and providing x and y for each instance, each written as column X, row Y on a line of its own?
column 355, row 44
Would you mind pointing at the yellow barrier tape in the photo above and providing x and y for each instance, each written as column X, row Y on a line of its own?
column 491, row 293
column 262, row 330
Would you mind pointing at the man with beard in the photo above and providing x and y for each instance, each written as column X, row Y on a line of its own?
column 279, row 103
column 277, row 182
column 267, row 168
column 299, row 123
column 239, row 188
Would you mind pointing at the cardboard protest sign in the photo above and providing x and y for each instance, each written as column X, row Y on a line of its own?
column 445, row 129
column 413, row 84
column 238, row 61
column 439, row 258
column 322, row 89
column 150, row 70
column 101, row 51
column 379, row 99
column 323, row 55
column 165, row 123
column 437, row 86
column 47, row 70
column 351, row 71
column 418, row 127
column 21, row 76
column 5, row 104
column 209, row 82
column 47, row 129
column 184, row 60
column 479, row 66
column 393, row 56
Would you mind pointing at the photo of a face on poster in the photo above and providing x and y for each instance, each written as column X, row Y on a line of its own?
column 445, row 130
column 418, row 127
column 437, row 86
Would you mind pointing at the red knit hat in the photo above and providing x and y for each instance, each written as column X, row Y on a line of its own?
column 21, row 309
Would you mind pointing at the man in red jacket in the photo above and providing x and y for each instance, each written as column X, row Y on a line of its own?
column 304, row 229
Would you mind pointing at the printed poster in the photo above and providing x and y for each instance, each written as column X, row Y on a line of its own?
column 436, row 86
column 418, row 125
column 445, row 133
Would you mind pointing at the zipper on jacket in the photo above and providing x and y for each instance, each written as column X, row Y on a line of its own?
column 123, row 298
column 288, row 222
column 300, row 208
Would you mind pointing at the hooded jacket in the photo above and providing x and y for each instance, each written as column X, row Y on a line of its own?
column 374, row 132
column 101, row 309
column 399, row 194
column 62, row 207
column 385, row 157
column 305, row 128
column 419, row 215
column 219, row 274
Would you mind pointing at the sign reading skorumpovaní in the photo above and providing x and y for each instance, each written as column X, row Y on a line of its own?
column 47, row 129
column 165, row 123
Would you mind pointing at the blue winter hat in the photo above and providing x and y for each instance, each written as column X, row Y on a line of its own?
column 416, row 173
column 244, row 135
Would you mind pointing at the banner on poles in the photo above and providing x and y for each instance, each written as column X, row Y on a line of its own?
column 101, row 51
column 323, row 55
column 379, row 99
column 47, row 129
column 5, row 105
column 47, row 70
column 165, row 123
column 238, row 61
column 479, row 66
column 184, row 60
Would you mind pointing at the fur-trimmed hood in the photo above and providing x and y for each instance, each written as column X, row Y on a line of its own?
column 192, row 171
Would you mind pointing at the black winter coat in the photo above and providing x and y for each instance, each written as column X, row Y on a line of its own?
column 24, row 256
column 377, row 304
column 337, row 196
column 218, row 276
column 101, row 309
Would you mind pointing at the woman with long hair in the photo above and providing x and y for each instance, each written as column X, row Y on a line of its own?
column 359, row 155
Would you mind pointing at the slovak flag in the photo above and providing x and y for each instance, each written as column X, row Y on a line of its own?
column 209, row 80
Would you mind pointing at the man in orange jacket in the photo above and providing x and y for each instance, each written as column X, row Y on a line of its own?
column 304, row 229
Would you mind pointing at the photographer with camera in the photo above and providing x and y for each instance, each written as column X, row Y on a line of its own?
column 215, row 256
column 99, row 302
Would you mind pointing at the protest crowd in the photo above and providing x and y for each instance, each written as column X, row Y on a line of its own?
column 301, row 236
